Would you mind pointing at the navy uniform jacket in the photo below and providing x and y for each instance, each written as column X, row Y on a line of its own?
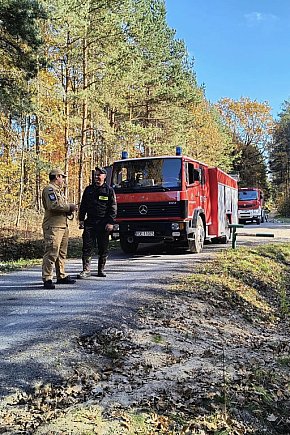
column 98, row 205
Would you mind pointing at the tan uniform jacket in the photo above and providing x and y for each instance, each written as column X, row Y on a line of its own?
column 55, row 206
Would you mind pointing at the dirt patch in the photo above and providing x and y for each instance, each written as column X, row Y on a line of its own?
column 201, row 360
column 194, row 358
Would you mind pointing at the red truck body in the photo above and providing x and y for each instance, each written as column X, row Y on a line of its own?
column 251, row 205
column 172, row 199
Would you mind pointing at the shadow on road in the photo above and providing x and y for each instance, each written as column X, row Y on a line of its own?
column 40, row 328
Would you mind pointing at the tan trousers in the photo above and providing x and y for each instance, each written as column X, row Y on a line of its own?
column 55, row 251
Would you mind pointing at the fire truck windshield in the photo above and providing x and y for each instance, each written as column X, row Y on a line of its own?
column 248, row 195
column 147, row 174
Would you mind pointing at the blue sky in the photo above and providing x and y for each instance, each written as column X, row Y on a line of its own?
column 241, row 48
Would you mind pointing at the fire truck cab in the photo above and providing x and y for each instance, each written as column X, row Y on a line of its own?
column 251, row 205
column 172, row 199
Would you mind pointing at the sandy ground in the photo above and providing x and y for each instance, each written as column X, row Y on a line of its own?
column 192, row 353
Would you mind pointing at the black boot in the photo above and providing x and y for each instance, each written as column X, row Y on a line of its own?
column 66, row 280
column 101, row 266
column 48, row 285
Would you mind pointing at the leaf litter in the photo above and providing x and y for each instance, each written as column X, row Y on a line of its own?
column 205, row 358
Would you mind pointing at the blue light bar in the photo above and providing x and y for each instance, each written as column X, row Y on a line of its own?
column 124, row 155
column 178, row 151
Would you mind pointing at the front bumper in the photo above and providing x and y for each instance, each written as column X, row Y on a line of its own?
column 151, row 232
column 249, row 214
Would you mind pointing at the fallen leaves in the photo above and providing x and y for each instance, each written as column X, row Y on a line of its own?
column 198, row 361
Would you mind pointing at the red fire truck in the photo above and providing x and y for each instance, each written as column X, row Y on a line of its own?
column 173, row 199
column 251, row 205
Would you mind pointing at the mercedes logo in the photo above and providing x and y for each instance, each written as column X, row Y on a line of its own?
column 143, row 209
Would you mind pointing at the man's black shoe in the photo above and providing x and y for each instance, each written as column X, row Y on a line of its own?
column 48, row 284
column 102, row 274
column 66, row 280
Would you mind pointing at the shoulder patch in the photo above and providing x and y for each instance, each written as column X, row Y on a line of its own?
column 52, row 196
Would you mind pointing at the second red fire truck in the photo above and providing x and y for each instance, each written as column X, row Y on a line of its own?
column 251, row 205
column 172, row 199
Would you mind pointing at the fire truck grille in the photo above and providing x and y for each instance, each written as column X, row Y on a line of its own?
column 151, row 209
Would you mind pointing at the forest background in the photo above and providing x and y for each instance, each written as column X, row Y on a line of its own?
column 80, row 81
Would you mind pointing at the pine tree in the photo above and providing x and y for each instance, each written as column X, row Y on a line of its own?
column 19, row 41
column 280, row 160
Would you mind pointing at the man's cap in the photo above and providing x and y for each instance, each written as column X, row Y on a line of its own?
column 101, row 170
column 57, row 171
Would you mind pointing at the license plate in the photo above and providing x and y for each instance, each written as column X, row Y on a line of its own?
column 144, row 233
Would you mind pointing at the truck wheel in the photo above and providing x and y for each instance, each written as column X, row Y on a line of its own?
column 196, row 243
column 127, row 247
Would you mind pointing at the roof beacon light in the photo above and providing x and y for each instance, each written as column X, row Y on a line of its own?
column 124, row 155
column 178, row 151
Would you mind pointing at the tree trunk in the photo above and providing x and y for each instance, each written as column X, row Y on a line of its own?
column 66, row 114
column 84, row 118
column 21, row 181
column 37, row 170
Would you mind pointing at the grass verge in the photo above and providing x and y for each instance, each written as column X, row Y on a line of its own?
column 254, row 281
column 210, row 356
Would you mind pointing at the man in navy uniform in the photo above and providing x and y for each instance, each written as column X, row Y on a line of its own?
column 55, row 230
column 97, row 213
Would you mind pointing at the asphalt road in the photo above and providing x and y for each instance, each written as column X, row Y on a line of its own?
column 39, row 328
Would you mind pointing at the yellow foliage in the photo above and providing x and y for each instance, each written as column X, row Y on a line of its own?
column 250, row 121
column 208, row 139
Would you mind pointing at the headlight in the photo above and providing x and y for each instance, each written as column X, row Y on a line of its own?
column 175, row 226
column 116, row 227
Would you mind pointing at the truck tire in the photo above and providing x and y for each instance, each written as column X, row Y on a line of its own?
column 196, row 243
column 127, row 247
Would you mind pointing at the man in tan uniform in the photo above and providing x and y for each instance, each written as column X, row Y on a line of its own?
column 55, row 230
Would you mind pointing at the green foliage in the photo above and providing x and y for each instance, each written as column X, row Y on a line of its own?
column 252, row 168
column 10, row 266
column 157, row 338
column 16, row 248
column 18, row 20
column 116, row 78
column 280, row 161
column 283, row 204
column 19, row 41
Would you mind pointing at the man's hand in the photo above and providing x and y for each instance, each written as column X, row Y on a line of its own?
column 109, row 227
column 81, row 225
column 73, row 207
